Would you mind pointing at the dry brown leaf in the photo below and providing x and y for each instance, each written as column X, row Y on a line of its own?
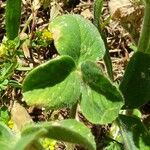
column 128, row 14
column 26, row 49
column 55, row 11
column 87, row 14
column 20, row 116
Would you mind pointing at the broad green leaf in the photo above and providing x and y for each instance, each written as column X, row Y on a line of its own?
column 101, row 100
column 49, row 73
column 66, row 130
column 53, row 84
column 6, row 137
column 77, row 37
column 135, row 85
column 134, row 133
column 30, row 141
column 4, row 115
column 5, row 145
column 64, row 94
column 5, row 132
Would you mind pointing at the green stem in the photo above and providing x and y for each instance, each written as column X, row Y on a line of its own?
column 13, row 15
column 73, row 111
column 27, row 23
column 98, row 4
column 144, row 41
column 107, row 59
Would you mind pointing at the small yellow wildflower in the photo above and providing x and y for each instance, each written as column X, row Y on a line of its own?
column 10, row 124
column 3, row 50
column 47, row 35
column 48, row 144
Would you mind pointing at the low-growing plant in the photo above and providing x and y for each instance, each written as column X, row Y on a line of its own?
column 74, row 80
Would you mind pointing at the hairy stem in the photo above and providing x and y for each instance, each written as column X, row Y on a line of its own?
column 73, row 111
column 144, row 41
column 98, row 4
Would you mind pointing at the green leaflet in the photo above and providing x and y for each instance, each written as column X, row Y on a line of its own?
column 5, row 132
column 66, row 130
column 77, row 37
column 135, row 85
column 29, row 141
column 81, row 41
column 13, row 15
column 52, row 84
column 56, row 84
column 134, row 134
column 6, row 137
column 101, row 101
column 61, row 95
column 49, row 74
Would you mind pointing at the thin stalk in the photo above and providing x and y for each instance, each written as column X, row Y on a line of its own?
column 144, row 41
column 27, row 23
column 98, row 4
column 72, row 115
column 107, row 59
column 73, row 111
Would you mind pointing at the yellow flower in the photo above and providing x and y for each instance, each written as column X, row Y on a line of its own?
column 48, row 144
column 3, row 50
column 10, row 124
column 47, row 35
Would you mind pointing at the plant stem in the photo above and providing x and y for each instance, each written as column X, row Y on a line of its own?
column 98, row 4
column 107, row 60
column 13, row 15
column 73, row 111
column 27, row 23
column 144, row 41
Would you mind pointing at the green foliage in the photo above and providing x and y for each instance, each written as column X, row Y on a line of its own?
column 4, row 115
column 42, row 39
column 135, row 85
column 13, row 15
column 77, row 37
column 74, row 78
column 134, row 133
column 68, row 77
column 5, row 137
column 114, row 146
column 65, row 130
column 98, row 5
column 53, row 84
column 101, row 100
